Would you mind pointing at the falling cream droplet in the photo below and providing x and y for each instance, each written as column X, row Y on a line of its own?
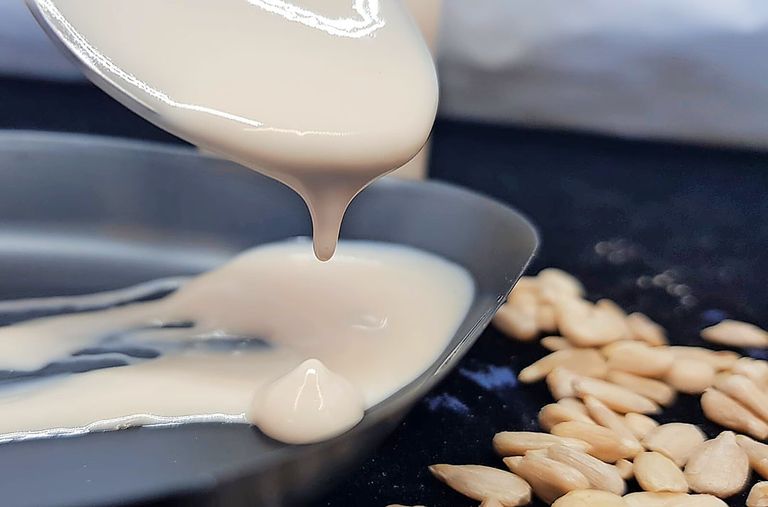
column 327, row 197
column 309, row 404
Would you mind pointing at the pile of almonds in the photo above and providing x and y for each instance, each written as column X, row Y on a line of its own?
column 609, row 372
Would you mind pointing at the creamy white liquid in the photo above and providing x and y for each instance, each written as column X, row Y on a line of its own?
column 338, row 337
column 323, row 95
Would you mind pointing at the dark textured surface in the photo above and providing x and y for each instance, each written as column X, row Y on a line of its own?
column 677, row 232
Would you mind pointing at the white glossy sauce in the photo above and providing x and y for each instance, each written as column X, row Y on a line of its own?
column 323, row 95
column 338, row 337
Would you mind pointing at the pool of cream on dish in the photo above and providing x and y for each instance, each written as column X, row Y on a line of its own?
column 311, row 345
column 325, row 96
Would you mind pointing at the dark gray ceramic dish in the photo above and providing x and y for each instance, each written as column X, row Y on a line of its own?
column 80, row 214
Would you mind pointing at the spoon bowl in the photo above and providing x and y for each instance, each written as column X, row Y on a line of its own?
column 82, row 214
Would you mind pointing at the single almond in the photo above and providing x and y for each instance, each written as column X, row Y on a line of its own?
column 604, row 444
column 589, row 498
column 581, row 361
column 720, row 408
column 735, row 333
column 625, row 469
column 650, row 499
column 517, row 443
column 758, row 495
column 523, row 298
column 517, row 321
column 677, row 441
column 640, row 424
column 560, row 281
column 652, row 389
column 718, row 467
column 755, row 369
column 548, row 478
column 481, row 483
column 600, row 475
column 573, row 404
column 618, row 398
column 646, row 330
column 555, row 413
column 560, row 382
column 639, row 358
column 743, row 390
column 610, row 306
column 719, row 360
column 656, row 472
column 587, row 325
column 757, row 453
column 606, row 417
column 690, row 376
column 555, row 343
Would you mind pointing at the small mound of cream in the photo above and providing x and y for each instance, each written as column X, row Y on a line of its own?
column 309, row 404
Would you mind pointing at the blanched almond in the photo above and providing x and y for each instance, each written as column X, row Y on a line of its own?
column 639, row 358
column 690, row 376
column 736, row 334
column 600, row 475
column 758, row 495
column 646, row 330
column 523, row 298
column 562, row 282
column 560, row 383
column 720, row 408
column 656, row 472
column 649, row 499
column 587, row 325
column 555, row 413
column 640, row 424
column 618, row 398
column 677, row 441
column 652, row 389
column 590, row 498
column 625, row 469
column 609, row 305
column 573, row 404
column 517, row 443
column 549, row 479
column 743, row 390
column 606, row 417
column 555, row 343
column 757, row 453
column 491, row 502
column 604, row 444
column 719, row 360
column 581, row 361
column 481, row 482
column 517, row 321
column 754, row 369
column 719, row 467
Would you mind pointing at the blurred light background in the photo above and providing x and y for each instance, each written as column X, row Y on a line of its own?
column 666, row 69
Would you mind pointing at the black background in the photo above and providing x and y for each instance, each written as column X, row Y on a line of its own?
column 678, row 232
